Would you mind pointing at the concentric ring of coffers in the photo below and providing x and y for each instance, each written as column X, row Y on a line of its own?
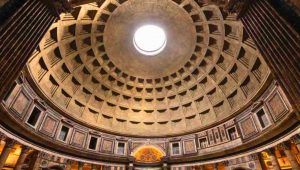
column 174, row 21
column 220, row 71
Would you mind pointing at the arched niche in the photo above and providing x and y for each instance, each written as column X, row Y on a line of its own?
column 148, row 154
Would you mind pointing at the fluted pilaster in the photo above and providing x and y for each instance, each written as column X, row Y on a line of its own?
column 22, row 158
column 256, row 159
column 80, row 166
column 69, row 165
column 21, row 33
column 36, row 160
column 276, row 40
column 226, row 165
column 273, row 158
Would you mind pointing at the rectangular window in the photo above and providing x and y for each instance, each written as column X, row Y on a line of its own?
column 232, row 133
column 121, row 148
column 203, row 142
column 262, row 118
column 93, row 143
column 34, row 116
column 63, row 133
column 175, row 148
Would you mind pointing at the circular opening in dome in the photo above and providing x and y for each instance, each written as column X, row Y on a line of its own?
column 150, row 40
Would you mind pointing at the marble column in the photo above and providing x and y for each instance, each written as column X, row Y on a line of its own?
column 69, row 165
column 215, row 166
column 165, row 166
column 296, row 140
column 9, row 143
column 94, row 167
column 22, row 157
column 130, row 167
column 2, row 136
column 273, row 158
column 286, row 146
column 80, row 166
column 20, row 33
column 35, row 163
column 256, row 158
column 277, row 41
column 226, row 165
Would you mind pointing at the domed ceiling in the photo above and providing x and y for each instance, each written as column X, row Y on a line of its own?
column 87, row 67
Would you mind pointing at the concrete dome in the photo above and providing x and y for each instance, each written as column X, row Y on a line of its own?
column 88, row 68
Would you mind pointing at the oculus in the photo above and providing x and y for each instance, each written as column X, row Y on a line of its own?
column 150, row 40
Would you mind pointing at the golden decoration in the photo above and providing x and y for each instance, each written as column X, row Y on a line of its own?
column 148, row 154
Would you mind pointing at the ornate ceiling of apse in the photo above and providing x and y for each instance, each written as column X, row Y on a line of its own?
column 87, row 66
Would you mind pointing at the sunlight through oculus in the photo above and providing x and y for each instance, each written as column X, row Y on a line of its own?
column 150, row 40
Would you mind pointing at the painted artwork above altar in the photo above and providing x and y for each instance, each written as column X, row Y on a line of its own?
column 148, row 154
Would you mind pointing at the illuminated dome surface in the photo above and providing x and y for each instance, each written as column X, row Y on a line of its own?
column 93, row 66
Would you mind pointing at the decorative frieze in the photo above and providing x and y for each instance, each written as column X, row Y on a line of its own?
column 21, row 104
column 189, row 146
column 248, row 127
column 107, row 146
column 226, row 135
column 49, row 125
column 78, row 138
column 277, row 106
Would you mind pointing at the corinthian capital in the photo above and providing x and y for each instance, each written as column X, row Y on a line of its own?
column 2, row 136
column 10, row 142
column 238, row 6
